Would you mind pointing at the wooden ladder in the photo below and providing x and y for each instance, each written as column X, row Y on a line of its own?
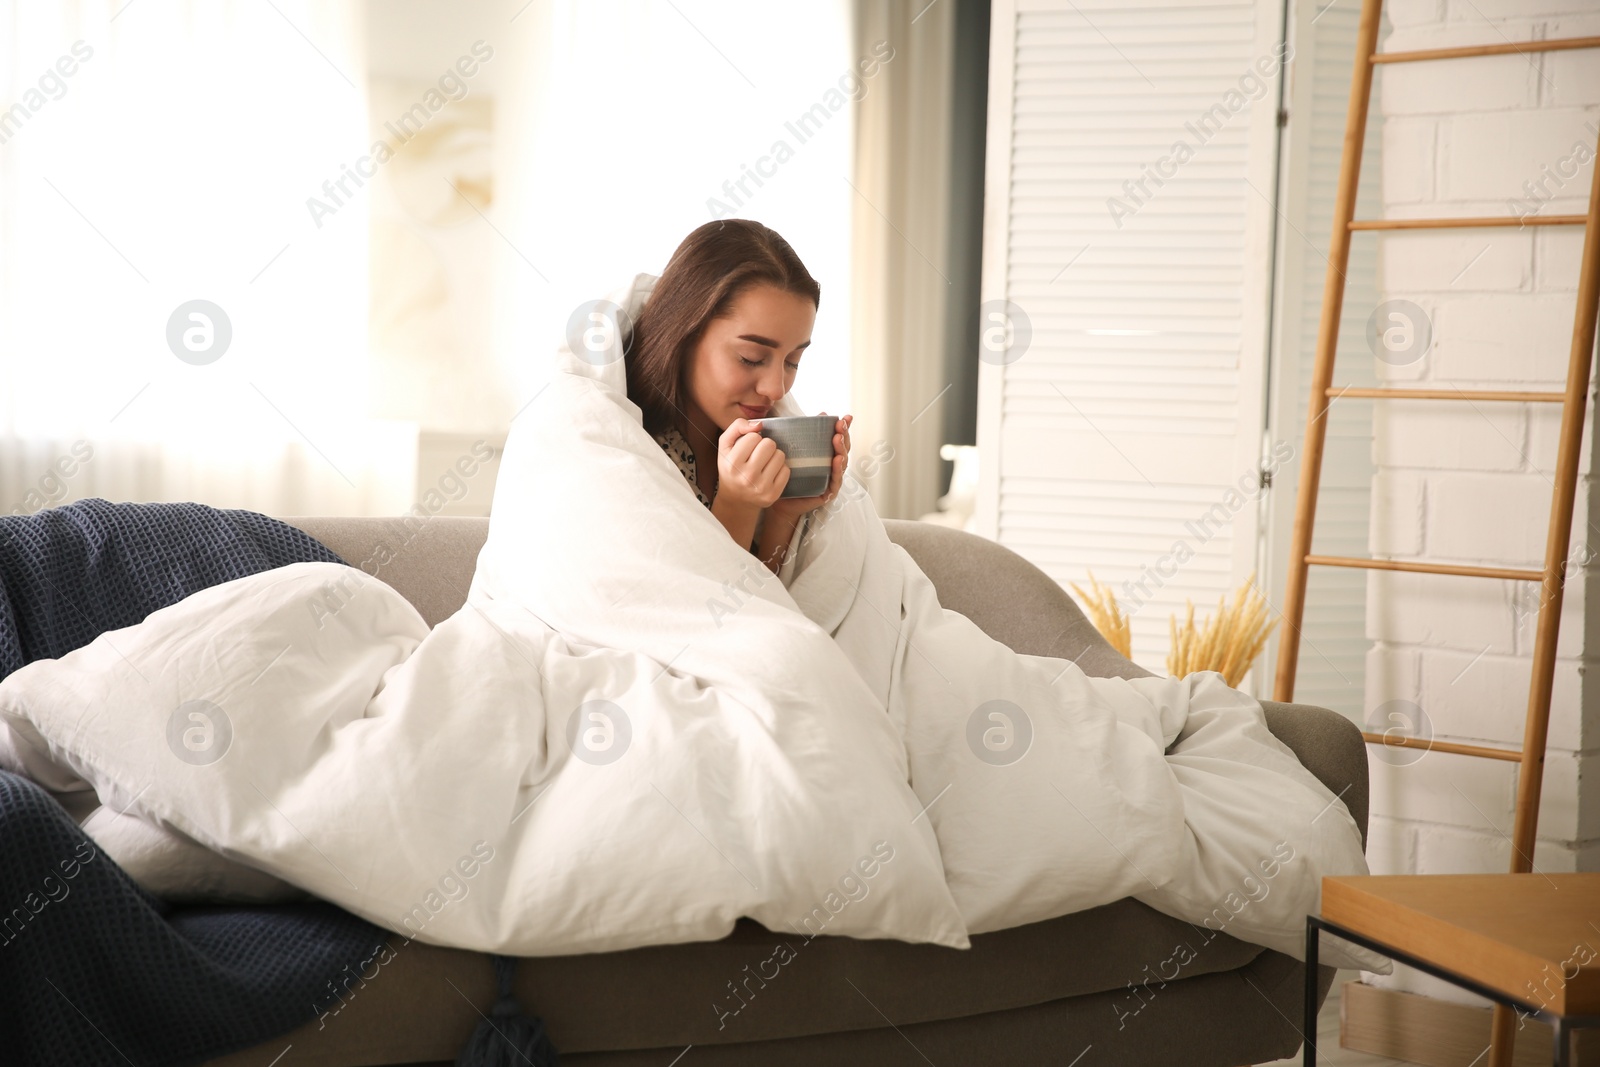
column 1573, row 401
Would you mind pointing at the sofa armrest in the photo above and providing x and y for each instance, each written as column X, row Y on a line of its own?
column 1330, row 746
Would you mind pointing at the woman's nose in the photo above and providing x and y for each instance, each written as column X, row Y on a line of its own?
column 771, row 386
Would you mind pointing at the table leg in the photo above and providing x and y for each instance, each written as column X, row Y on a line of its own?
column 1502, row 1036
column 1558, row 1026
column 1308, row 1019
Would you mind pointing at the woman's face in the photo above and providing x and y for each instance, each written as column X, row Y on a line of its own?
column 746, row 360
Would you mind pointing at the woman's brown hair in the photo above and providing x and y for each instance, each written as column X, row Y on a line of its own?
column 707, row 273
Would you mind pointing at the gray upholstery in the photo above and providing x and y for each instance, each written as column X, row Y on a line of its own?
column 1034, row 994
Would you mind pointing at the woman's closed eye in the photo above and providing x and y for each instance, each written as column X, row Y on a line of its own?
column 760, row 362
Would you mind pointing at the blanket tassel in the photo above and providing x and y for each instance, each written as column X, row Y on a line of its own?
column 509, row 1037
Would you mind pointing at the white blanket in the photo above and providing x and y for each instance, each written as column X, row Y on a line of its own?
column 633, row 733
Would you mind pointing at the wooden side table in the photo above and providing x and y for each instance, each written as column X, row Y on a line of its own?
column 1528, row 941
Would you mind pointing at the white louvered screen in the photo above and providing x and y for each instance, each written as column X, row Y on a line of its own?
column 1139, row 402
column 1333, row 647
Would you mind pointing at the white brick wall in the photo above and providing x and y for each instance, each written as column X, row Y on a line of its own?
column 1462, row 482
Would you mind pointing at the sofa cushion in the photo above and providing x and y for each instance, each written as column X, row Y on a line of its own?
column 745, row 987
column 421, row 1004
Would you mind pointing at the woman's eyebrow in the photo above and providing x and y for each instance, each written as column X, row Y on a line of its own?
column 767, row 341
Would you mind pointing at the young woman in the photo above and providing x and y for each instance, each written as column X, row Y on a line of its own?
column 716, row 346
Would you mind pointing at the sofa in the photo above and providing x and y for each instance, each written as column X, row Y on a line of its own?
column 1081, row 989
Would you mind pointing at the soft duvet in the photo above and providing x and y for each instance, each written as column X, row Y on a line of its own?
column 634, row 734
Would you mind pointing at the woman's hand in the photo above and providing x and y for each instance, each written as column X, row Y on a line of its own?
column 789, row 510
column 751, row 472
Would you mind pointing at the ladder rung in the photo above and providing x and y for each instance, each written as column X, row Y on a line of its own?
column 1445, row 394
column 1558, row 44
column 1511, row 573
column 1468, row 223
column 1442, row 746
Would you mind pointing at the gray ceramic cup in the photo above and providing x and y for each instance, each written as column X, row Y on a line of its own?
column 806, row 442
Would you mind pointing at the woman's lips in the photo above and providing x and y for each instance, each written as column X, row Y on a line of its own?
column 752, row 413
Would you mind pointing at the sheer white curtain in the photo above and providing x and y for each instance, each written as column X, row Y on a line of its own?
column 628, row 124
column 902, row 249
column 154, row 153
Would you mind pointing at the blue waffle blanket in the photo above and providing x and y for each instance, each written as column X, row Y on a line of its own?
column 93, row 969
